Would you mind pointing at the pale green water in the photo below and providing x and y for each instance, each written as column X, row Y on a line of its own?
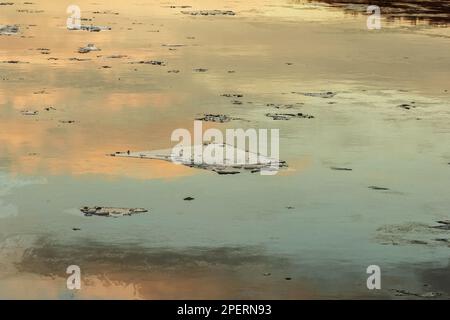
column 238, row 228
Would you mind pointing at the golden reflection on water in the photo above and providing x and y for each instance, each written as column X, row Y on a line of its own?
column 136, row 107
column 132, row 106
